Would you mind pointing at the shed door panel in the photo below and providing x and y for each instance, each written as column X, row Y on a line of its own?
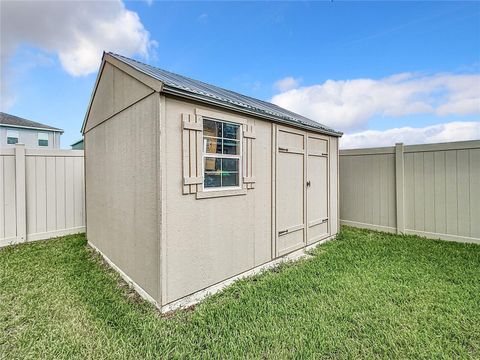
column 290, row 191
column 317, row 189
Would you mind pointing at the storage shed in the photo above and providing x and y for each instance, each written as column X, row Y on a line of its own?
column 190, row 186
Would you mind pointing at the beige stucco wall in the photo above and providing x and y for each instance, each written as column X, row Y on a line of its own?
column 114, row 92
column 209, row 240
column 121, row 189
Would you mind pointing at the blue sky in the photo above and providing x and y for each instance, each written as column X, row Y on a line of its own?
column 336, row 62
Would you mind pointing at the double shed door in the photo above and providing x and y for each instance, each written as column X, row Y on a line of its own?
column 301, row 189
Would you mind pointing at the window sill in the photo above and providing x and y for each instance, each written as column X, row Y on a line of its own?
column 220, row 193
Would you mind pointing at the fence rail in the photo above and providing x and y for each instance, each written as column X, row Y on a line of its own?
column 430, row 190
column 41, row 194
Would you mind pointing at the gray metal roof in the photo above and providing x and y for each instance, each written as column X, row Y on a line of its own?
column 15, row 121
column 184, row 86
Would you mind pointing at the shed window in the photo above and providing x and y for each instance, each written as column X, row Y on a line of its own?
column 12, row 136
column 42, row 139
column 221, row 154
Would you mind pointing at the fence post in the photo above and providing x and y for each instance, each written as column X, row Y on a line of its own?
column 399, row 187
column 20, row 193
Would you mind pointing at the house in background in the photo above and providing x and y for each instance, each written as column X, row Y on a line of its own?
column 14, row 129
column 78, row 145
column 189, row 186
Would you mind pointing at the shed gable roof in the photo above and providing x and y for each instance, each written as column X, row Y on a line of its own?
column 16, row 121
column 184, row 86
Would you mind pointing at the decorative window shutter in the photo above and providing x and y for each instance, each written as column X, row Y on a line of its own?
column 248, row 155
column 192, row 131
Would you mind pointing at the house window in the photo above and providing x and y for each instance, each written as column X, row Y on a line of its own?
column 42, row 139
column 12, row 136
column 221, row 154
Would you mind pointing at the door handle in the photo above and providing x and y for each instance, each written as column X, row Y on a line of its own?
column 282, row 149
column 283, row 232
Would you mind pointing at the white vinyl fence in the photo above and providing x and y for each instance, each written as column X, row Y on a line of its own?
column 429, row 190
column 41, row 194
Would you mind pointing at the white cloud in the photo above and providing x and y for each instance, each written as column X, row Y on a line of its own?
column 453, row 131
column 30, row 60
column 287, row 83
column 76, row 31
column 349, row 104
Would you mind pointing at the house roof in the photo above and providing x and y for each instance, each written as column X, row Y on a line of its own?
column 183, row 86
column 18, row 122
column 77, row 142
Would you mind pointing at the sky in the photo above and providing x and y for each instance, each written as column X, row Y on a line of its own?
column 381, row 72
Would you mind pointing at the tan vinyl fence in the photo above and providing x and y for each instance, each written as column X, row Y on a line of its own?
column 41, row 194
column 429, row 190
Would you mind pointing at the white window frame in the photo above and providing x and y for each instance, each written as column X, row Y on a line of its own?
column 9, row 135
column 206, row 154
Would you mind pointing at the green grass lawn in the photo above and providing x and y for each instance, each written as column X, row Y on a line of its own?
column 366, row 294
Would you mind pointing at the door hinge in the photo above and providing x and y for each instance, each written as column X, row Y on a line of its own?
column 309, row 183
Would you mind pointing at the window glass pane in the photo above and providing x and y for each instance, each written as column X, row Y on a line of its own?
column 212, row 128
column 213, row 146
column 221, row 138
column 231, row 147
column 231, row 131
column 42, row 139
column 12, row 136
column 229, row 178
column 213, row 164
column 230, row 164
column 212, row 180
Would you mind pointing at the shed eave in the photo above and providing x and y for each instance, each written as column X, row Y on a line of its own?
column 186, row 94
